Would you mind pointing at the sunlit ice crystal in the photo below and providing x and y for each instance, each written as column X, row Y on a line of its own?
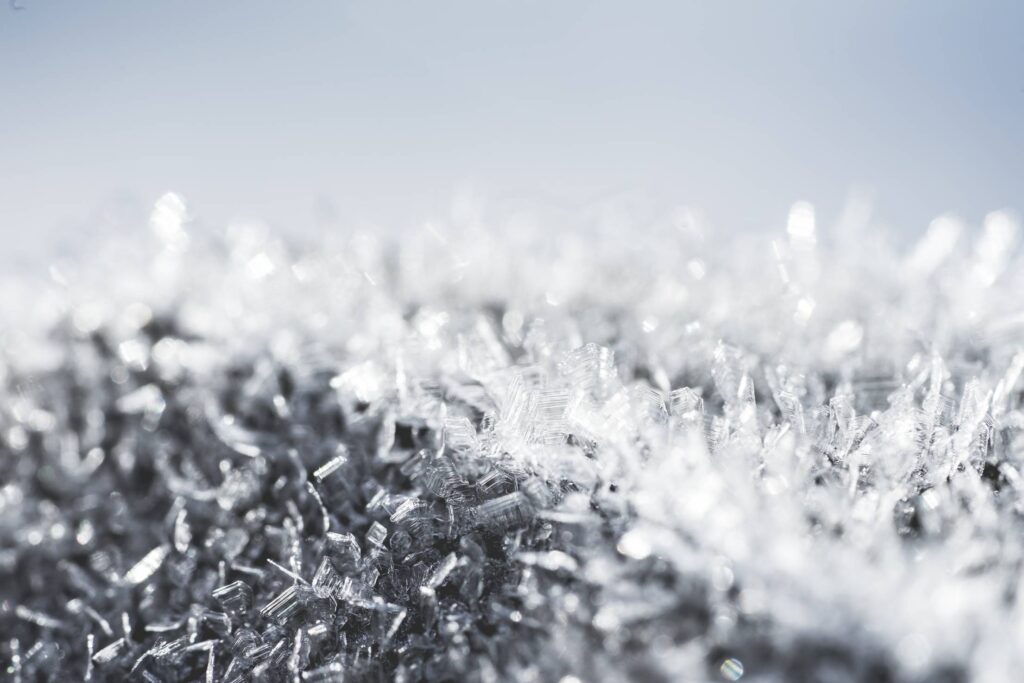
column 517, row 455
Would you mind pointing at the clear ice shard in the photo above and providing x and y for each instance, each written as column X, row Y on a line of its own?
column 508, row 511
column 332, row 465
column 235, row 597
column 284, row 605
column 326, row 581
column 376, row 535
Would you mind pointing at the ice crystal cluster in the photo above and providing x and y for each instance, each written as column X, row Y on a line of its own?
column 522, row 455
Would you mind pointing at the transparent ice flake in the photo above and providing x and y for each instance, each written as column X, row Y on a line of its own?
column 236, row 597
column 376, row 534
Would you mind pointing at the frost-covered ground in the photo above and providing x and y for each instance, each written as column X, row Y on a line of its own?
column 528, row 455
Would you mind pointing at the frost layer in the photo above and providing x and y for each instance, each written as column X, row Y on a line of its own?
column 541, row 456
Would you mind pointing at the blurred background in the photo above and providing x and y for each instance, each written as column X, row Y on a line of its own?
column 319, row 115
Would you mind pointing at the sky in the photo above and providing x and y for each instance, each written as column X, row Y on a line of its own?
column 319, row 115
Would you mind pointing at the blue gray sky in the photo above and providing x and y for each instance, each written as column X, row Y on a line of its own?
column 314, row 113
